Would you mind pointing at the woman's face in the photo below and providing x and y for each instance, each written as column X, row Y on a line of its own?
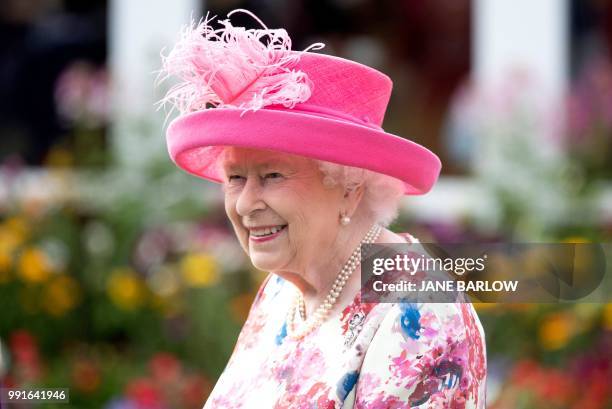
column 283, row 215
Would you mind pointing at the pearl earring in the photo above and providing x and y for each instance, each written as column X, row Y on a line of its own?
column 344, row 220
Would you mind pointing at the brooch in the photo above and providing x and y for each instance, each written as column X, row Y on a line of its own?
column 355, row 326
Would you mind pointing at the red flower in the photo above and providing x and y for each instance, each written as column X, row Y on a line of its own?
column 165, row 368
column 24, row 348
column 143, row 392
column 85, row 376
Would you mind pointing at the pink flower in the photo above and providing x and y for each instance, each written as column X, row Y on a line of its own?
column 144, row 394
column 165, row 368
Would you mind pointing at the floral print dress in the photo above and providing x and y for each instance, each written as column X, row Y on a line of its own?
column 375, row 356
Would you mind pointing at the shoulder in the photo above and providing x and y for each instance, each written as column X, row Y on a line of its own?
column 425, row 324
column 422, row 352
column 269, row 289
column 265, row 315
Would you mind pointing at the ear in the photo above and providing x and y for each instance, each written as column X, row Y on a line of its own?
column 352, row 198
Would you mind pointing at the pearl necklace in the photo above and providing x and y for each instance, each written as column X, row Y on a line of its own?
column 323, row 310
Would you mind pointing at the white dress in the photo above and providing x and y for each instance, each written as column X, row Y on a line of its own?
column 378, row 356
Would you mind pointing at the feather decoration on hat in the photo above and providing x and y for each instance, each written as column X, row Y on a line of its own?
column 234, row 67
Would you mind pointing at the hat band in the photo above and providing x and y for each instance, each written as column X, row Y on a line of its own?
column 311, row 109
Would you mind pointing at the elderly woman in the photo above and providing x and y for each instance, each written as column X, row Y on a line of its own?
column 309, row 175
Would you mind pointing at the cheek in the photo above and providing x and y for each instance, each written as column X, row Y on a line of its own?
column 309, row 217
column 230, row 207
column 232, row 214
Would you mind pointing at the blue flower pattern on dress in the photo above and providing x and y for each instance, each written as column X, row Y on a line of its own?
column 346, row 384
column 281, row 334
column 409, row 320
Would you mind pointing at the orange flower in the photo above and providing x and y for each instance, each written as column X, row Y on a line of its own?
column 60, row 295
column 34, row 266
column 17, row 227
column 556, row 330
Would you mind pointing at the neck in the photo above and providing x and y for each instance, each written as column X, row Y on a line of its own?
column 315, row 281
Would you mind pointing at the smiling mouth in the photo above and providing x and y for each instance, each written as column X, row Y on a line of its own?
column 268, row 231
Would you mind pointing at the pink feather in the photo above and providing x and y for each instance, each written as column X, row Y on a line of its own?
column 234, row 67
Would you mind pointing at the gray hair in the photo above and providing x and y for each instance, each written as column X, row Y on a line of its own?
column 382, row 193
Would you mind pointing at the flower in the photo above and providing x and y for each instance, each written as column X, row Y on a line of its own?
column 165, row 368
column 24, row 349
column 145, row 395
column 556, row 330
column 85, row 375
column 13, row 232
column 34, row 265
column 125, row 289
column 82, row 95
column 199, row 270
column 61, row 295
column 18, row 227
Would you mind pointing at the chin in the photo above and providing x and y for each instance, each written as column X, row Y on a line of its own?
column 265, row 262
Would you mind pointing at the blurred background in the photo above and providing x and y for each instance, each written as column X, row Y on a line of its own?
column 119, row 275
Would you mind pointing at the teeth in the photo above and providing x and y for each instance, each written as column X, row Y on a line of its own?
column 267, row 231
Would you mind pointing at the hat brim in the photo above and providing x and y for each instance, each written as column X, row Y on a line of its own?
column 195, row 140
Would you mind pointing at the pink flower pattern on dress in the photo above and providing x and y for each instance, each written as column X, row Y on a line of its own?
column 401, row 355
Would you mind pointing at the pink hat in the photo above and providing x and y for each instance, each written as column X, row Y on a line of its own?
column 239, row 91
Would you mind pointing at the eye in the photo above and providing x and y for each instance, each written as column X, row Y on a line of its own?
column 235, row 178
column 273, row 175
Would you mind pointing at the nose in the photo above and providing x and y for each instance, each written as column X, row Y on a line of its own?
column 250, row 198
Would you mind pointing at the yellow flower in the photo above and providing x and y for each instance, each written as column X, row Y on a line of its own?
column 60, row 295
column 199, row 270
column 17, row 227
column 125, row 289
column 556, row 331
column 34, row 265
column 13, row 232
